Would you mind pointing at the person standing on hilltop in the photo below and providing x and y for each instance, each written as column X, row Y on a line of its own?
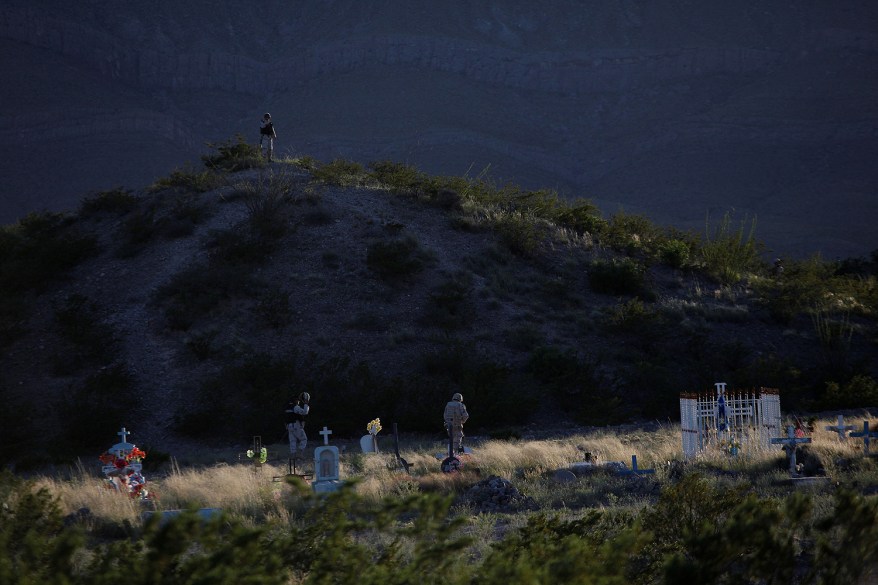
column 267, row 133
column 296, row 412
column 455, row 416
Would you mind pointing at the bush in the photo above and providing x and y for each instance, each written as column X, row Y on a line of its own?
column 727, row 253
column 616, row 277
column 340, row 172
column 196, row 291
column 397, row 258
column 675, row 253
column 573, row 382
column 38, row 250
column 449, row 305
column 861, row 391
column 189, row 180
column 93, row 342
column 397, row 176
column 233, row 155
column 119, row 201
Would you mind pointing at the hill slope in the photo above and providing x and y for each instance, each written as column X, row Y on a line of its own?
column 195, row 310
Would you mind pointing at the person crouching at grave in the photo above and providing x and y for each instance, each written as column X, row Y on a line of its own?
column 296, row 412
column 455, row 416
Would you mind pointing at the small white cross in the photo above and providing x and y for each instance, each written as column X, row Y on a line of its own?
column 325, row 432
column 124, row 434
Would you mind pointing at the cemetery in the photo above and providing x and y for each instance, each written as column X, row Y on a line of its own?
column 731, row 445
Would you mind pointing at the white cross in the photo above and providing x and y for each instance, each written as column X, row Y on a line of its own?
column 325, row 432
column 124, row 434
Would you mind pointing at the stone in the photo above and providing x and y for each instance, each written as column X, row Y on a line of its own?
column 564, row 476
column 369, row 443
column 326, row 475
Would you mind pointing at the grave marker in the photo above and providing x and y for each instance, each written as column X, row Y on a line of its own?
column 840, row 428
column 326, row 476
column 754, row 416
column 790, row 442
column 866, row 435
column 636, row 470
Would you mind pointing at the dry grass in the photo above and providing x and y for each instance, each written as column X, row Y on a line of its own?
column 250, row 493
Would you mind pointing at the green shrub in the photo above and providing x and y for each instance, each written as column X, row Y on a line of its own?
column 396, row 176
column 396, row 258
column 630, row 316
column 631, row 233
column 196, row 291
column 119, row 201
column 190, row 180
column 582, row 216
column 675, row 253
column 861, row 391
column 38, row 250
column 727, row 253
column 233, row 155
column 616, row 277
column 340, row 172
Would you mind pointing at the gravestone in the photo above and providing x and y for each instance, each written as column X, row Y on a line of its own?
column 789, row 443
column 326, row 476
column 369, row 443
column 123, row 469
column 636, row 470
column 841, row 428
column 866, row 435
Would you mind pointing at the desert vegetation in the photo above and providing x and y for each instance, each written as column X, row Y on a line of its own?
column 708, row 520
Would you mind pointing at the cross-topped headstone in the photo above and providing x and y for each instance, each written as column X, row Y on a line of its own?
column 866, row 435
column 634, row 469
column 124, row 434
column 841, row 428
column 325, row 432
column 789, row 442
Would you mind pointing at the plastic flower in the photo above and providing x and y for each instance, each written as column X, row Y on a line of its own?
column 263, row 454
column 374, row 427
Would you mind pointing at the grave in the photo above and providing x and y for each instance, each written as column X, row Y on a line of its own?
column 841, row 428
column 746, row 418
column 866, row 435
column 369, row 441
column 326, row 477
column 123, row 468
column 634, row 469
column 789, row 444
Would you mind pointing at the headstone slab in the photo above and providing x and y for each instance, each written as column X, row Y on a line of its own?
column 564, row 476
column 326, row 476
column 369, row 443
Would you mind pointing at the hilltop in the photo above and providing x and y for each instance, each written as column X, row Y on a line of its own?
column 192, row 310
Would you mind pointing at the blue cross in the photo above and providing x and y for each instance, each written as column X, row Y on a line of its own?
column 790, row 441
column 866, row 435
column 636, row 470
column 841, row 428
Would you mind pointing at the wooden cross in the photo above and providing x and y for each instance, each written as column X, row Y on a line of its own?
column 790, row 441
column 866, row 435
column 840, row 428
column 325, row 432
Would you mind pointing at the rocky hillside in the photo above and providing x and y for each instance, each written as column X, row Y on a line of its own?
column 193, row 310
column 674, row 109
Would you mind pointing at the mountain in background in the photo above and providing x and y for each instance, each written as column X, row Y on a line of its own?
column 675, row 109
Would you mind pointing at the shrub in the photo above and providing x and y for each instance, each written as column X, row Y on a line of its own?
column 630, row 233
column 273, row 307
column 93, row 342
column 582, row 216
column 675, row 253
column 630, row 316
column 119, row 201
column 616, row 277
column 40, row 249
column 449, row 305
column 396, row 176
column 397, row 258
column 860, row 391
column 265, row 200
column 573, row 382
column 340, row 172
column 198, row 290
column 727, row 253
column 233, row 155
column 189, row 180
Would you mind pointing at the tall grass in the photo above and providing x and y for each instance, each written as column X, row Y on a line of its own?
column 729, row 253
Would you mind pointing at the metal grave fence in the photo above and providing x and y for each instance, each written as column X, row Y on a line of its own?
column 749, row 418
